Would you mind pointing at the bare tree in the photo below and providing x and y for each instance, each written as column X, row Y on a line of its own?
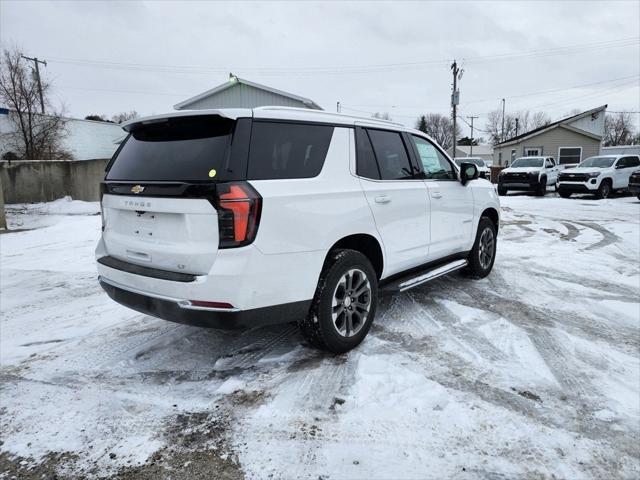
column 620, row 130
column 124, row 116
column 35, row 135
column 438, row 127
column 526, row 121
column 382, row 116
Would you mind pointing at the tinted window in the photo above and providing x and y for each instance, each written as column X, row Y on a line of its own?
column 634, row 161
column 435, row 164
column 287, row 150
column 549, row 163
column 392, row 157
column 366, row 165
column 177, row 149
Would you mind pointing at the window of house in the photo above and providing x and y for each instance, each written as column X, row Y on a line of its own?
column 532, row 151
column 393, row 160
column 569, row 155
column 513, row 154
column 435, row 164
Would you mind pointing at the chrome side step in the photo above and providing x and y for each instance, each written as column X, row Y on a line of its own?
column 418, row 278
column 432, row 274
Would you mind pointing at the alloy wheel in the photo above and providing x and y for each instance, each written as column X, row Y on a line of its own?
column 487, row 248
column 351, row 302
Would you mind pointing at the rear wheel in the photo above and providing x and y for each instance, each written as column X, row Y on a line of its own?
column 604, row 189
column 483, row 253
column 344, row 304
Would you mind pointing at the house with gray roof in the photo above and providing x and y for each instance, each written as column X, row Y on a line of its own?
column 569, row 140
column 241, row 93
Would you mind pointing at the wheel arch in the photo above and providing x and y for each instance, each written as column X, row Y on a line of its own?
column 366, row 244
column 493, row 215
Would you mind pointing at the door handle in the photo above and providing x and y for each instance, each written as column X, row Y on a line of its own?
column 383, row 199
column 436, row 195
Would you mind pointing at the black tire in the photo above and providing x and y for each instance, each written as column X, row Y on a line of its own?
column 318, row 328
column 564, row 194
column 604, row 189
column 480, row 268
column 639, row 196
column 541, row 189
column 502, row 191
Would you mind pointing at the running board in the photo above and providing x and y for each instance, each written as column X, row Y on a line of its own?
column 409, row 282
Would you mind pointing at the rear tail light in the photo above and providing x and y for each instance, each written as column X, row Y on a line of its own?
column 239, row 207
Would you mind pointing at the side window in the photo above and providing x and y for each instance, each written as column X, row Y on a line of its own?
column 622, row 163
column 435, row 164
column 549, row 163
column 366, row 165
column 633, row 161
column 391, row 154
column 287, row 150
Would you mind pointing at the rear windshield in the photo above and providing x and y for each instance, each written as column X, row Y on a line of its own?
column 176, row 149
column 598, row 162
column 475, row 161
column 527, row 162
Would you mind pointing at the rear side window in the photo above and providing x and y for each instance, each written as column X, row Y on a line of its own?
column 632, row 161
column 287, row 150
column 366, row 165
column 176, row 149
column 391, row 154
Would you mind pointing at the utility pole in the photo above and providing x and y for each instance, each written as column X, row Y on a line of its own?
column 517, row 120
column 36, row 62
column 455, row 100
column 471, row 146
column 338, row 107
column 502, row 134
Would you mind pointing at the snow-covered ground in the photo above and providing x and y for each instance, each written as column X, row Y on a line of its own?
column 533, row 372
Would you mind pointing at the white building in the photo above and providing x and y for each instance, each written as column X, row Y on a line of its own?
column 84, row 139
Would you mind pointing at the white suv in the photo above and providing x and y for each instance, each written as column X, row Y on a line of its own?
column 598, row 175
column 529, row 174
column 239, row 218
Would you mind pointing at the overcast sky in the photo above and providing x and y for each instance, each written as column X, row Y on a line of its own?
column 107, row 57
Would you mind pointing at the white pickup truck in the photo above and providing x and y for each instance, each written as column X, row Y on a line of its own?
column 532, row 174
column 598, row 175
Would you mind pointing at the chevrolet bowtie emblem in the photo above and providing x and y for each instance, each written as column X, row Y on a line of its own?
column 137, row 189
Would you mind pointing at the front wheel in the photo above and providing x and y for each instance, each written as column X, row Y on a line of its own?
column 564, row 194
column 502, row 191
column 541, row 190
column 603, row 190
column 344, row 304
column 483, row 253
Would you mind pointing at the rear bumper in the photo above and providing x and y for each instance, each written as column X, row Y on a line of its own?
column 179, row 311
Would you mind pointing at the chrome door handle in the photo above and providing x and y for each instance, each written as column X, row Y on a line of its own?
column 383, row 199
column 436, row 195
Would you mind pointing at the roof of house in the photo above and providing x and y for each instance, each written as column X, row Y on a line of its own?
column 233, row 81
column 477, row 149
column 563, row 122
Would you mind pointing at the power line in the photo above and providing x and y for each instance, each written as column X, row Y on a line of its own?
column 347, row 69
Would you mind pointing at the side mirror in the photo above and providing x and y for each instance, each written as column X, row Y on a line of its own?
column 468, row 172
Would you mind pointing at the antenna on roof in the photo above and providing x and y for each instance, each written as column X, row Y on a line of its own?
column 232, row 77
